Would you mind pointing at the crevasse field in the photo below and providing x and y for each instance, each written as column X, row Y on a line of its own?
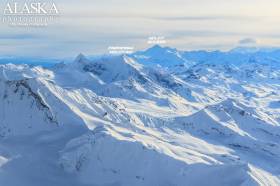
column 159, row 117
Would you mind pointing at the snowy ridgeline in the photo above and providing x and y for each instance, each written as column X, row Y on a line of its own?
column 160, row 117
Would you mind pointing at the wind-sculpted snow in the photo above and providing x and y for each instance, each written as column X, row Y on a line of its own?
column 124, row 161
column 113, row 121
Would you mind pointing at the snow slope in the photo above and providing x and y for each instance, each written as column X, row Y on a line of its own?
column 120, row 121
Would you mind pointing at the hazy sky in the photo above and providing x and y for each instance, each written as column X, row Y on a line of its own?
column 91, row 26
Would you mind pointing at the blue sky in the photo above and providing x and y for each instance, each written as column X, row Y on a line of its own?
column 91, row 26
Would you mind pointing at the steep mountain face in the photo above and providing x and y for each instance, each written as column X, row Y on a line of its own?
column 119, row 121
column 17, row 97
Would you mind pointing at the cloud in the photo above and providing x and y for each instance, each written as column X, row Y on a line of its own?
column 90, row 26
column 201, row 33
column 248, row 41
column 7, row 36
column 205, row 18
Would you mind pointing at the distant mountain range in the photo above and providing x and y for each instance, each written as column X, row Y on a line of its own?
column 167, row 56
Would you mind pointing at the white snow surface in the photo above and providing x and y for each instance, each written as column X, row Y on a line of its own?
column 112, row 121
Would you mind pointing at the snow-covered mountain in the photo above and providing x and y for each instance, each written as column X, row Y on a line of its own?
column 168, row 57
column 161, row 56
column 157, row 117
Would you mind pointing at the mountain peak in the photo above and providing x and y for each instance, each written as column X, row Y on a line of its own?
column 81, row 58
column 156, row 48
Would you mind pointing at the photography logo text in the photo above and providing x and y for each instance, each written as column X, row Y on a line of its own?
column 30, row 14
